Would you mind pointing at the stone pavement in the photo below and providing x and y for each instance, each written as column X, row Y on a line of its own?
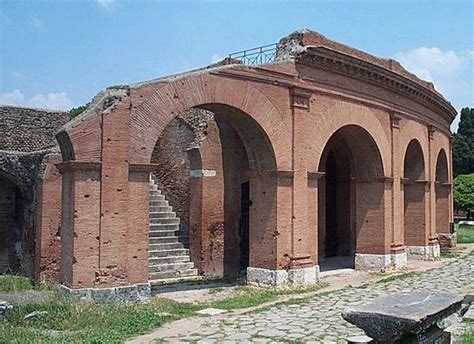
column 318, row 319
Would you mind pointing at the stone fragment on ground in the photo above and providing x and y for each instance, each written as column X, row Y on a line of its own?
column 5, row 308
column 211, row 311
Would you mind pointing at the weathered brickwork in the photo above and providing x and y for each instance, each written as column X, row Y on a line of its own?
column 340, row 150
column 31, row 192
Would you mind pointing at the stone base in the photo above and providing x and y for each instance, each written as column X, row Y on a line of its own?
column 277, row 278
column 399, row 260
column 447, row 242
column 429, row 251
column 365, row 261
column 127, row 294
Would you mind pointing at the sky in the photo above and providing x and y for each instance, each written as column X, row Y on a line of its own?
column 58, row 54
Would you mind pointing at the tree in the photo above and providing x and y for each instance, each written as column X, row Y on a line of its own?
column 464, row 193
column 78, row 110
column 463, row 144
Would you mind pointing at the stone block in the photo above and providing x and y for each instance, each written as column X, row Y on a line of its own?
column 403, row 315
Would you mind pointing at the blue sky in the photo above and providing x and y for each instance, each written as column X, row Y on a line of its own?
column 59, row 54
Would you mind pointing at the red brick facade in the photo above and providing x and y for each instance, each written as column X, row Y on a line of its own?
column 331, row 118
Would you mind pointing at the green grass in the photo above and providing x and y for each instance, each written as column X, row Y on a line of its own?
column 65, row 322
column 247, row 296
column 88, row 323
column 465, row 234
column 467, row 337
column 13, row 284
column 397, row 277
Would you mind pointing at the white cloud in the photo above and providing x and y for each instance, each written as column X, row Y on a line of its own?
column 12, row 98
column 216, row 58
column 451, row 72
column 55, row 101
column 58, row 101
column 105, row 3
column 34, row 21
column 427, row 63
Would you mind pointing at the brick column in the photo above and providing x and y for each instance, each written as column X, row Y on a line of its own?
column 80, row 223
column 397, row 247
column 373, row 223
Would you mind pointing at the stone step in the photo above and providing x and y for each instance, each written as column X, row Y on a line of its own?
column 171, row 267
column 172, row 274
column 170, row 253
column 168, row 239
column 153, row 186
column 165, row 221
column 161, row 215
column 167, row 246
column 159, row 204
column 157, row 198
column 154, row 261
column 169, row 230
column 163, row 209
column 154, row 192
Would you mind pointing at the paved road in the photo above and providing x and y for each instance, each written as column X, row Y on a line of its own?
column 318, row 320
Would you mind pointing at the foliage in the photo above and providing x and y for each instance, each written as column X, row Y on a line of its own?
column 77, row 110
column 12, row 284
column 464, row 193
column 465, row 234
column 463, row 144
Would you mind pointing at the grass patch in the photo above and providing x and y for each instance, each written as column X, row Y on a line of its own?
column 467, row 337
column 247, row 296
column 397, row 277
column 465, row 234
column 88, row 323
column 13, row 284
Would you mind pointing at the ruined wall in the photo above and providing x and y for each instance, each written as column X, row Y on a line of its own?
column 171, row 155
column 26, row 140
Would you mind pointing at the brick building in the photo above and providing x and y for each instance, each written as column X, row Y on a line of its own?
column 320, row 152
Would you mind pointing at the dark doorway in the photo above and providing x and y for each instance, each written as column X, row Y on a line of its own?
column 331, row 206
column 245, row 204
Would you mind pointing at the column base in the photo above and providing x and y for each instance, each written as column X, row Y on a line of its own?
column 126, row 294
column 364, row 261
column 399, row 259
column 277, row 278
column 429, row 251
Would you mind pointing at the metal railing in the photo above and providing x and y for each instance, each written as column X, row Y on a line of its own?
column 256, row 56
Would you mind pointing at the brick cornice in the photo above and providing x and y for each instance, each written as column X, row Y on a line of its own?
column 335, row 61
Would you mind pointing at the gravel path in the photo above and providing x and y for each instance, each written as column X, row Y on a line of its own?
column 318, row 320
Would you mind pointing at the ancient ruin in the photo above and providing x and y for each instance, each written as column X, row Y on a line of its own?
column 271, row 162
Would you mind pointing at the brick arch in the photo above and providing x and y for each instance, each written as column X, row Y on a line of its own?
column 414, row 161
column 442, row 172
column 343, row 115
column 206, row 91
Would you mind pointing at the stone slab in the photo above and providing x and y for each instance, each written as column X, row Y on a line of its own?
column 211, row 311
column 393, row 316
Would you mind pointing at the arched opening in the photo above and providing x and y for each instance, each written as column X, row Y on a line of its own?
column 443, row 189
column 11, row 225
column 414, row 191
column 350, row 197
column 208, row 161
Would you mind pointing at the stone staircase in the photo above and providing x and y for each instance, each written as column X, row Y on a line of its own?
column 168, row 247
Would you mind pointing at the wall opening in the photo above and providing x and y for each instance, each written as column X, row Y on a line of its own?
column 350, row 198
column 205, row 160
column 414, row 192
column 443, row 189
column 11, row 224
